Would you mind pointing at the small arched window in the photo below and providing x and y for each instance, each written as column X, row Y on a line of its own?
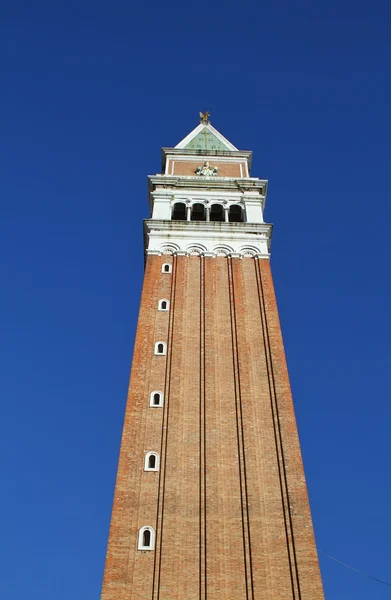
column 216, row 212
column 146, row 538
column 156, row 399
column 151, row 462
column 164, row 305
column 166, row 268
column 235, row 213
column 160, row 348
column 179, row 211
column 198, row 212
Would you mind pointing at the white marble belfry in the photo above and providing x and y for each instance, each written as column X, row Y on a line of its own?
column 248, row 236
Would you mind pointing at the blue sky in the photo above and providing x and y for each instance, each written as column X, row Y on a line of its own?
column 90, row 92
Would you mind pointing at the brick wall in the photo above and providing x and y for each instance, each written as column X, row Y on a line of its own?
column 229, row 504
column 225, row 169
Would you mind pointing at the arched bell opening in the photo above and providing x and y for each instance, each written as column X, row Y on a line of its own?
column 198, row 212
column 235, row 214
column 217, row 212
column 179, row 212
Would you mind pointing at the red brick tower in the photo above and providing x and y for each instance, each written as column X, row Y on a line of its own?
column 210, row 500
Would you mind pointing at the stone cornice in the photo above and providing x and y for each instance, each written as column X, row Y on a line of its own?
column 186, row 181
column 207, row 238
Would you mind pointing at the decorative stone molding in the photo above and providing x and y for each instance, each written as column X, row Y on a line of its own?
column 222, row 251
column 195, row 250
column 206, row 170
column 252, row 187
column 207, row 238
column 218, row 252
column 169, row 249
column 249, row 251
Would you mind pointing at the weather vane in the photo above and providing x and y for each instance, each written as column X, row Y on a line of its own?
column 205, row 116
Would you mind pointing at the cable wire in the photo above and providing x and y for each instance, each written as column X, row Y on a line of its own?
column 356, row 570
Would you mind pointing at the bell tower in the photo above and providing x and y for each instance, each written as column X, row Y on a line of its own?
column 210, row 499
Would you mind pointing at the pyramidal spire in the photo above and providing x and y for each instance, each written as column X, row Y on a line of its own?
column 205, row 137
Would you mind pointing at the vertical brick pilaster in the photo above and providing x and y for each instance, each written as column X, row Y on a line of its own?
column 307, row 571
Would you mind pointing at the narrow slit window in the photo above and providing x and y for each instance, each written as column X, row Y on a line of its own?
column 166, row 268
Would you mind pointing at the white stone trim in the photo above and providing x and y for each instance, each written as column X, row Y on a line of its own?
column 160, row 307
column 222, row 251
column 152, row 399
column 195, row 250
column 215, row 253
column 169, row 249
column 208, row 238
column 156, row 351
column 249, row 251
column 146, row 461
column 161, row 178
column 175, row 194
column 165, row 270
column 140, row 540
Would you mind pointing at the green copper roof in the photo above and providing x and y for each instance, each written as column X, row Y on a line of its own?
column 206, row 140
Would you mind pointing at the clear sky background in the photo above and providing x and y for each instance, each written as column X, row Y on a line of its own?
column 90, row 91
